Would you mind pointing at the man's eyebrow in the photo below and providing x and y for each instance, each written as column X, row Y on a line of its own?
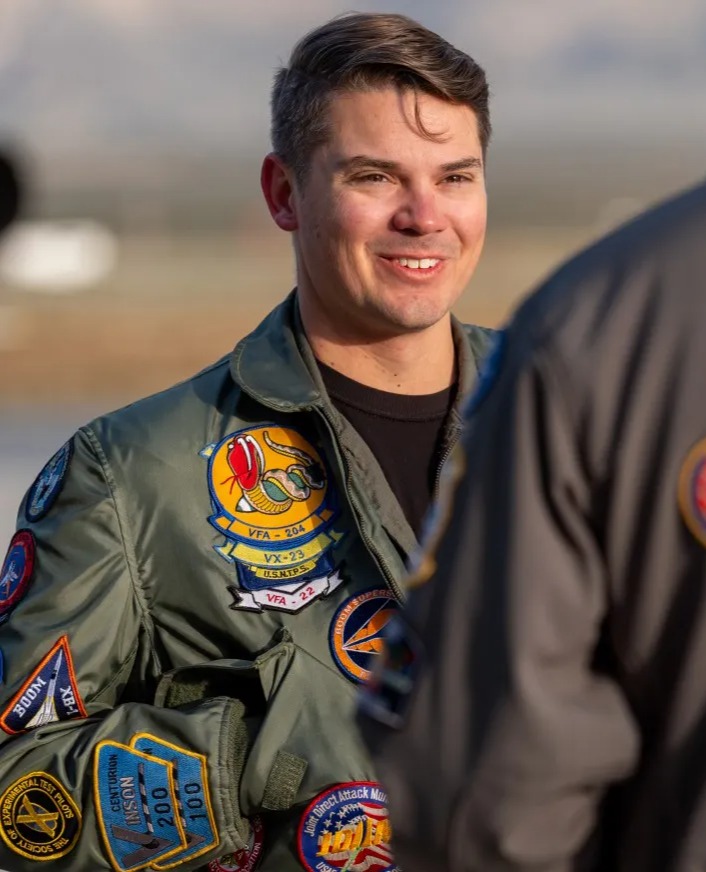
column 364, row 161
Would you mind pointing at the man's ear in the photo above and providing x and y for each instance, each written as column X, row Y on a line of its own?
column 277, row 182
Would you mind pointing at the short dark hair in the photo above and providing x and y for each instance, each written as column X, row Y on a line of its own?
column 363, row 51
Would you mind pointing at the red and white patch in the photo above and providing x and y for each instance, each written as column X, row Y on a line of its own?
column 246, row 859
column 17, row 570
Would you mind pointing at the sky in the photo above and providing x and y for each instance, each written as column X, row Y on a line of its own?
column 196, row 73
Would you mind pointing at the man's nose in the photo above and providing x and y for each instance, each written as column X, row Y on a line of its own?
column 419, row 212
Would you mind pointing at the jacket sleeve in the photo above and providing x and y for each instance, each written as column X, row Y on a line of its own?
column 514, row 725
column 92, row 773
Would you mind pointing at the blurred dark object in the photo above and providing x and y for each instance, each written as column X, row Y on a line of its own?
column 11, row 190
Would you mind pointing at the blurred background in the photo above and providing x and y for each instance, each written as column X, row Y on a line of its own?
column 135, row 129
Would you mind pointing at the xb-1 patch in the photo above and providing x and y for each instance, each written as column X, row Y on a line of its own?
column 347, row 829
column 246, row 859
column 47, row 485
column 137, row 807
column 50, row 694
column 193, row 798
column 356, row 631
column 692, row 491
column 38, row 818
column 17, row 570
column 274, row 505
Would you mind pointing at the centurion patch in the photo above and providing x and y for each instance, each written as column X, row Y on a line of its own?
column 47, row 485
column 246, row 859
column 356, row 631
column 38, row 818
column 276, row 510
column 17, row 570
column 193, row 798
column 346, row 829
column 692, row 491
column 137, row 807
column 50, row 694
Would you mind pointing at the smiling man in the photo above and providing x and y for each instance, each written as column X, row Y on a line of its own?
column 200, row 580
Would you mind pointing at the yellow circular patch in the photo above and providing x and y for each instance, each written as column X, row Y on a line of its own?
column 38, row 818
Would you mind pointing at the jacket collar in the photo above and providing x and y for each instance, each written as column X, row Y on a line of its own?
column 276, row 366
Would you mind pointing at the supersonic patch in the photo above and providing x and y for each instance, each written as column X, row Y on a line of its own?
column 274, row 505
column 356, row 631
column 17, row 570
column 246, row 859
column 50, row 694
column 38, row 818
column 347, row 829
column 47, row 485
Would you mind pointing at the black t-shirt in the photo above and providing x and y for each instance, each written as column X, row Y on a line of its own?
column 403, row 431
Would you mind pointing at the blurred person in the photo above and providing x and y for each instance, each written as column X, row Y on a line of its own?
column 10, row 189
column 548, row 684
column 199, row 580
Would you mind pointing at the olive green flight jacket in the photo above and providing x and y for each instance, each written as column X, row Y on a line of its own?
column 176, row 687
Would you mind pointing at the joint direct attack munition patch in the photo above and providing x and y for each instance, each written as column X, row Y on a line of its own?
column 274, row 505
column 47, row 485
column 17, row 570
column 193, row 798
column 692, row 491
column 346, row 829
column 50, row 694
column 356, row 631
column 246, row 859
column 38, row 818
column 136, row 805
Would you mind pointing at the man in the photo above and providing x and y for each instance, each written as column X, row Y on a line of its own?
column 559, row 712
column 199, row 580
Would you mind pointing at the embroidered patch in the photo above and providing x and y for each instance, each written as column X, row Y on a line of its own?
column 17, row 570
column 193, row 798
column 273, row 504
column 50, row 694
column 356, row 631
column 136, row 804
column 489, row 369
column 47, row 485
column 692, row 491
column 246, row 859
column 38, row 818
column 386, row 695
column 347, row 828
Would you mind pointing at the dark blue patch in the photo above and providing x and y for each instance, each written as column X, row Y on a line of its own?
column 50, row 694
column 136, row 806
column 356, row 631
column 488, row 373
column 192, row 794
column 17, row 570
column 47, row 485
column 347, row 827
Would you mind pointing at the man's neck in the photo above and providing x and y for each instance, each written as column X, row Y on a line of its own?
column 415, row 363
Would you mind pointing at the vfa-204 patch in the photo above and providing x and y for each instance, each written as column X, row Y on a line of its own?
column 193, row 798
column 137, row 807
column 356, row 631
column 47, row 485
column 347, row 829
column 50, row 694
column 38, row 818
column 246, row 859
column 692, row 491
column 276, row 509
column 17, row 570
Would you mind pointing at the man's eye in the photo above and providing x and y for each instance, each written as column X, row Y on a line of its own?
column 458, row 179
column 371, row 177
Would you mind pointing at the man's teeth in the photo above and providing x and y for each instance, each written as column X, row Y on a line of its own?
column 414, row 263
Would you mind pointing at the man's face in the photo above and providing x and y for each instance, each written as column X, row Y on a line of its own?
column 389, row 224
